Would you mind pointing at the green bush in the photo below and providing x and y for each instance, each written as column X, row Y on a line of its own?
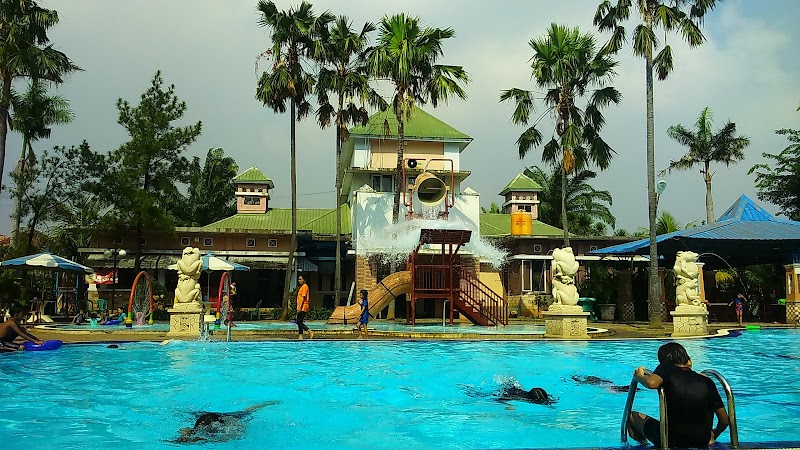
column 602, row 285
column 319, row 313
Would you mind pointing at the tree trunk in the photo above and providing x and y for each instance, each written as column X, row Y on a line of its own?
column 564, row 221
column 293, row 241
column 709, row 198
column 401, row 148
column 338, row 275
column 21, row 188
column 654, row 291
column 5, row 101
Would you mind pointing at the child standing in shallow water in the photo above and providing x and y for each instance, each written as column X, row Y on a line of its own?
column 739, row 301
column 363, row 320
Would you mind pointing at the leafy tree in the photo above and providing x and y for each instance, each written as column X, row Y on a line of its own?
column 779, row 181
column 406, row 55
column 494, row 208
column 212, row 192
column 48, row 182
column 140, row 179
column 683, row 17
column 585, row 205
column 343, row 74
column 26, row 52
column 565, row 64
column 34, row 113
column 297, row 36
column 706, row 147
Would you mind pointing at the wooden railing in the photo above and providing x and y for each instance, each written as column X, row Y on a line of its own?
column 434, row 279
column 481, row 298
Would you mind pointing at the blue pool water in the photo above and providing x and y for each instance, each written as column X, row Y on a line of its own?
column 372, row 394
column 376, row 325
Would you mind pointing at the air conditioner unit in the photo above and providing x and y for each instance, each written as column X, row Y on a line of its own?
column 537, row 248
column 592, row 248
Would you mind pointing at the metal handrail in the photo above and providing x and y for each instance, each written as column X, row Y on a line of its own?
column 734, row 429
column 662, row 412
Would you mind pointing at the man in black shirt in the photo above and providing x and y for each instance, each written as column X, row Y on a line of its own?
column 692, row 400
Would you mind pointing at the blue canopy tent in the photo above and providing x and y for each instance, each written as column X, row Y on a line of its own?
column 746, row 234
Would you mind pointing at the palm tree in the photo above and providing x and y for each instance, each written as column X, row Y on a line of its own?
column 585, row 205
column 34, row 113
column 685, row 18
column 342, row 71
column 406, row 54
column 666, row 223
column 26, row 52
column 565, row 64
column 297, row 36
column 706, row 147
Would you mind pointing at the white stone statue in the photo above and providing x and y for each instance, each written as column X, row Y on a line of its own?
column 564, row 268
column 189, row 267
column 686, row 274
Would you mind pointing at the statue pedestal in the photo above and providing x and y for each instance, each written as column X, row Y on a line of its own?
column 565, row 322
column 185, row 320
column 689, row 320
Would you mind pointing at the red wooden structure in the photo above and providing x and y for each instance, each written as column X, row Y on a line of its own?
column 448, row 280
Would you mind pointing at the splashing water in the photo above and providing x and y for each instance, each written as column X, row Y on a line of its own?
column 395, row 243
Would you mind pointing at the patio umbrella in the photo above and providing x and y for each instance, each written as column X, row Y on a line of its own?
column 45, row 261
column 213, row 264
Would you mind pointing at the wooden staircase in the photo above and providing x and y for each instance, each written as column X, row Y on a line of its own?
column 478, row 303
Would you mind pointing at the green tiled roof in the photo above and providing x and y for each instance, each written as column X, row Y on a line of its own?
column 317, row 221
column 496, row 225
column 522, row 183
column 252, row 175
column 420, row 125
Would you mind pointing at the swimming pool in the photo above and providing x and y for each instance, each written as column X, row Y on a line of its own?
column 372, row 394
column 528, row 328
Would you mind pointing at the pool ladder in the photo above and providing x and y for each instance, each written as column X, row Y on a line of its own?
column 662, row 410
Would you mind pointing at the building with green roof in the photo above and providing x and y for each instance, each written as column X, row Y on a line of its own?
column 521, row 194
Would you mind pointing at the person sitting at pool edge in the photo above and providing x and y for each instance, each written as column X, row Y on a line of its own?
column 692, row 401
column 79, row 318
column 121, row 315
column 10, row 330
column 104, row 316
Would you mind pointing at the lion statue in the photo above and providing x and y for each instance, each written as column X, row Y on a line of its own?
column 189, row 267
column 686, row 278
column 564, row 268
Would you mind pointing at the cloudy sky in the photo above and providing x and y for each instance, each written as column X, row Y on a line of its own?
column 747, row 72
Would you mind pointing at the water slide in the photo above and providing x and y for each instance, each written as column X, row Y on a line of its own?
column 379, row 297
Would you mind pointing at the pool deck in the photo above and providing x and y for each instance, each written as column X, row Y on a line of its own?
column 604, row 331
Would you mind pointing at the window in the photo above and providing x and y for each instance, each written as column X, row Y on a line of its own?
column 208, row 242
column 531, row 276
column 382, row 183
column 118, row 240
column 526, row 208
column 252, row 200
column 250, row 242
column 185, row 241
column 537, row 248
column 144, row 240
column 272, row 243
